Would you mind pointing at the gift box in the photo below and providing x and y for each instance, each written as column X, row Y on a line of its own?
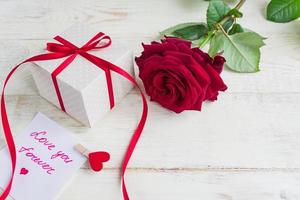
column 83, row 86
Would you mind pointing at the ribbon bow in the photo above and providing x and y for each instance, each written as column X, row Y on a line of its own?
column 70, row 51
column 99, row 41
column 66, row 48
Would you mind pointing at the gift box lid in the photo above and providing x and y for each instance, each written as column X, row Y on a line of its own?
column 81, row 72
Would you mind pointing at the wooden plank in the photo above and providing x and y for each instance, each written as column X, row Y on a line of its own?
column 280, row 72
column 133, row 18
column 239, row 130
column 244, row 146
column 193, row 185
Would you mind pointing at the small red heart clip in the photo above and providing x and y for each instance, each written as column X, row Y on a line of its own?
column 96, row 159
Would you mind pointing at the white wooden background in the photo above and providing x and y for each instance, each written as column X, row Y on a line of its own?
column 245, row 146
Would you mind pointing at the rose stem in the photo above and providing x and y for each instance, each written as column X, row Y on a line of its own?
column 219, row 25
column 207, row 39
column 238, row 6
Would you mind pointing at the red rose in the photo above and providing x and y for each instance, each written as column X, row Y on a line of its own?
column 180, row 77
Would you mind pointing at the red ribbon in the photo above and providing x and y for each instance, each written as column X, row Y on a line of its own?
column 72, row 51
column 66, row 49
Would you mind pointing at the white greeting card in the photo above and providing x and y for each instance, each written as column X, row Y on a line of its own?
column 46, row 160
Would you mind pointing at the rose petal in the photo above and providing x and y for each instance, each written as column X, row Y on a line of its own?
column 180, row 77
column 177, row 41
column 218, row 63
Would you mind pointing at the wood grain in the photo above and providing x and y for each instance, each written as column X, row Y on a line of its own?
column 225, row 134
column 245, row 146
column 195, row 185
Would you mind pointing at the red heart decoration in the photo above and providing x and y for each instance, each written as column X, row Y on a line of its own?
column 24, row 171
column 97, row 159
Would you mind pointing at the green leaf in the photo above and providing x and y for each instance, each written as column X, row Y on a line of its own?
column 241, row 50
column 235, row 12
column 216, row 11
column 283, row 10
column 236, row 28
column 189, row 31
column 227, row 25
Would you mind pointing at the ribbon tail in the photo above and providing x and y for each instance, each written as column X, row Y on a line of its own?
column 8, row 136
column 100, row 63
column 5, row 122
column 138, row 132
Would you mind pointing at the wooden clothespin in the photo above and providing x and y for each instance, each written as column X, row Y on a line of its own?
column 82, row 150
column 96, row 159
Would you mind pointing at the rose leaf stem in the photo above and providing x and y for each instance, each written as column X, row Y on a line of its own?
column 207, row 39
column 240, row 4
column 228, row 17
column 220, row 27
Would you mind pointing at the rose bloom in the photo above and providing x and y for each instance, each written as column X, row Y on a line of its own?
column 180, row 77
